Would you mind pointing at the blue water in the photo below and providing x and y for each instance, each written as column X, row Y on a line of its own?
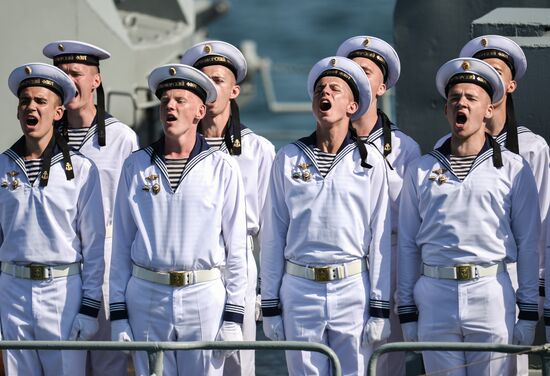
column 295, row 35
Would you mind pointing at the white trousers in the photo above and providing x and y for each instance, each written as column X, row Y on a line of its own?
column 331, row 313
column 521, row 360
column 101, row 362
column 392, row 363
column 164, row 313
column 466, row 311
column 44, row 311
column 241, row 363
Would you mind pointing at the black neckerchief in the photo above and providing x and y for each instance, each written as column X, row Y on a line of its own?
column 56, row 144
column 232, row 130
column 510, row 126
column 100, row 116
column 386, row 129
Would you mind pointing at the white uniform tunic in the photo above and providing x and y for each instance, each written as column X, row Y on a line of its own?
column 404, row 150
column 200, row 226
column 61, row 223
column 121, row 141
column 489, row 217
column 255, row 162
column 316, row 221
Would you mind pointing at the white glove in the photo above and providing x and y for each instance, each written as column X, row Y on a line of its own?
column 524, row 332
column 230, row 331
column 258, row 308
column 274, row 328
column 121, row 332
column 84, row 328
column 410, row 331
column 377, row 329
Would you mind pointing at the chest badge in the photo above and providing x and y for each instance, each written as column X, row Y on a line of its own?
column 151, row 179
column 439, row 176
column 302, row 172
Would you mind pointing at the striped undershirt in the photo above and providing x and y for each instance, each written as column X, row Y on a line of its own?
column 175, row 170
column 324, row 160
column 214, row 142
column 76, row 136
column 33, row 167
column 461, row 165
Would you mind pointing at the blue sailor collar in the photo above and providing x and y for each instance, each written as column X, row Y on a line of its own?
column 490, row 148
column 200, row 146
column 306, row 144
column 200, row 150
column 311, row 141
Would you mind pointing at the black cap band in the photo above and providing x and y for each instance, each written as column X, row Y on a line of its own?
column 44, row 82
column 178, row 83
column 75, row 58
column 471, row 78
column 344, row 76
column 208, row 60
column 497, row 54
column 376, row 58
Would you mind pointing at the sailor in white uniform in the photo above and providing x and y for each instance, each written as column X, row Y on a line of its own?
column 221, row 127
column 51, row 230
column 466, row 211
column 326, row 247
column 179, row 220
column 107, row 142
column 381, row 64
column 509, row 60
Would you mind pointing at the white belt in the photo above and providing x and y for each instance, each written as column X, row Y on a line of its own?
column 328, row 272
column 40, row 272
column 178, row 278
column 465, row 272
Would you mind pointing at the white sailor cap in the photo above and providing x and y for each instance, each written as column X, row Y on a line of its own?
column 350, row 72
column 45, row 75
column 72, row 51
column 497, row 46
column 216, row 52
column 180, row 76
column 376, row 50
column 469, row 70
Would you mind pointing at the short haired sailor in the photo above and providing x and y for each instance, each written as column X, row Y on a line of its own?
column 217, row 52
column 55, row 80
column 222, row 128
column 381, row 63
column 510, row 53
column 328, row 196
column 52, row 229
column 72, row 51
column 87, row 128
column 466, row 211
column 179, row 234
column 385, row 58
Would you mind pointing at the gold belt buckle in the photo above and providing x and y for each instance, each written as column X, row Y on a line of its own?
column 464, row 272
column 179, row 279
column 38, row 272
column 322, row 274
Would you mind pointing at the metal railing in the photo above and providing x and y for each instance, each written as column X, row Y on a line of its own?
column 543, row 351
column 155, row 350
